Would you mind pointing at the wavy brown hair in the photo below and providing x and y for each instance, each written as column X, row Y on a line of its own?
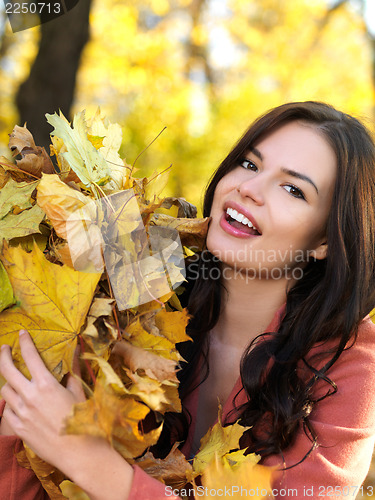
column 326, row 305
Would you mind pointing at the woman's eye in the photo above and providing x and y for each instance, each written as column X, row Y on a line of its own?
column 248, row 164
column 294, row 191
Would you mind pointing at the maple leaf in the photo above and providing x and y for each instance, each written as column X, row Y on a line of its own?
column 53, row 302
column 112, row 414
column 34, row 160
column 173, row 324
column 88, row 164
column 222, row 465
column 152, row 393
column 138, row 336
column 171, row 470
column 249, row 477
column 217, row 442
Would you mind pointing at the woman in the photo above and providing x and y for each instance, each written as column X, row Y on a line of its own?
column 290, row 255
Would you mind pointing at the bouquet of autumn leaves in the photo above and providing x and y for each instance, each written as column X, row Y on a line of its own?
column 91, row 256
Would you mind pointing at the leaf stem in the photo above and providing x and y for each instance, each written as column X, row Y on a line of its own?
column 143, row 150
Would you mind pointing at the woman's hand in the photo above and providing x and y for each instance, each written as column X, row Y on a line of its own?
column 36, row 410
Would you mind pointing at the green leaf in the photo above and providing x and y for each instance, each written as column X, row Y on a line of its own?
column 23, row 224
column 16, row 194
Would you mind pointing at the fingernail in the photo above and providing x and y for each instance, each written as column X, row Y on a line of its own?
column 4, row 346
column 22, row 332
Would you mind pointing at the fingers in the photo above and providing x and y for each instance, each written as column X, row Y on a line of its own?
column 10, row 372
column 12, row 399
column 31, row 356
column 32, row 359
column 74, row 385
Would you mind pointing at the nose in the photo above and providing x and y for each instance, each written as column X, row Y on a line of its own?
column 253, row 188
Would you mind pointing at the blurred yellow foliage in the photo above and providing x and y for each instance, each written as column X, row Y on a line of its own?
column 205, row 70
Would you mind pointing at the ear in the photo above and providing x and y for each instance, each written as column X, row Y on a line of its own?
column 320, row 252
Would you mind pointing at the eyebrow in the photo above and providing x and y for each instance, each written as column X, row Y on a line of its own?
column 292, row 173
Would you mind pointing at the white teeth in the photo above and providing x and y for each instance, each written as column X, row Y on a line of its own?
column 239, row 217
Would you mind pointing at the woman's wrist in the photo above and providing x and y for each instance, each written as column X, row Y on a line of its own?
column 91, row 463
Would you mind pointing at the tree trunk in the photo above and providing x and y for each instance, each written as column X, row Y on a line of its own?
column 50, row 85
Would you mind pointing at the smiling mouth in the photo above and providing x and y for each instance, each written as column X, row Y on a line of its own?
column 240, row 222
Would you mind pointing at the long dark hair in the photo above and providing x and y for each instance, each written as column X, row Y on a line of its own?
column 325, row 306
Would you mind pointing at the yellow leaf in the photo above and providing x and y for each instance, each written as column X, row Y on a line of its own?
column 248, row 479
column 96, row 141
column 106, row 414
column 6, row 291
column 217, row 442
column 76, row 218
column 138, row 336
column 53, row 304
column 72, row 491
column 59, row 202
column 156, row 184
column 173, row 324
column 150, row 391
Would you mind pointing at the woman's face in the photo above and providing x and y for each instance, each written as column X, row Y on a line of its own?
column 271, row 210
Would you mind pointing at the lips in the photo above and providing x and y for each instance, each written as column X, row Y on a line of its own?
column 241, row 218
column 237, row 229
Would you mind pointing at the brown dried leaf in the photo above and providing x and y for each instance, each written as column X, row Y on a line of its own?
column 185, row 209
column 172, row 470
column 4, row 175
column 100, row 334
column 35, row 160
column 192, row 231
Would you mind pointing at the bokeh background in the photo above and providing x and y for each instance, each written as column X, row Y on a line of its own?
column 202, row 68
